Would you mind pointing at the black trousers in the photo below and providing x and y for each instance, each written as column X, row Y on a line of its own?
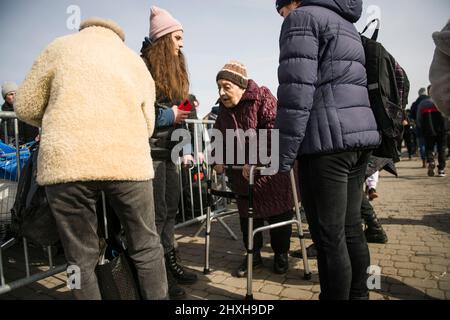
column 280, row 238
column 410, row 139
column 331, row 186
column 440, row 142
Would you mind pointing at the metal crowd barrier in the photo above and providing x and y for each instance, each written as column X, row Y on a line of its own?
column 220, row 204
column 8, row 191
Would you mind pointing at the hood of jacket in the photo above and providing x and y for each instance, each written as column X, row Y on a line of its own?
column 442, row 39
column 350, row 10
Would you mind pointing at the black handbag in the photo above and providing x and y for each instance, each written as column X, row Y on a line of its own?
column 116, row 279
column 116, row 274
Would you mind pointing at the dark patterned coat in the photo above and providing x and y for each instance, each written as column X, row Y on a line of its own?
column 256, row 110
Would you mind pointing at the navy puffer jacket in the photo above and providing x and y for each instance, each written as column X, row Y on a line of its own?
column 323, row 101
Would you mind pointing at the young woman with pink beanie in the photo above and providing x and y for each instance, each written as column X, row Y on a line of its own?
column 162, row 53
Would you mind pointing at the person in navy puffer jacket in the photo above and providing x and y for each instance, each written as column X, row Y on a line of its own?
column 326, row 122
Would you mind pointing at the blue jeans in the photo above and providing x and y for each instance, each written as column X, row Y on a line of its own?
column 421, row 144
column 330, row 186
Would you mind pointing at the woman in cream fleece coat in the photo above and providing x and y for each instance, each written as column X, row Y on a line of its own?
column 94, row 100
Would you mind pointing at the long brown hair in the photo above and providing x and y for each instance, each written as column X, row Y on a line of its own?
column 169, row 72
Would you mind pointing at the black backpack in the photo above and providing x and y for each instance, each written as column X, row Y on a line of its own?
column 384, row 93
column 31, row 215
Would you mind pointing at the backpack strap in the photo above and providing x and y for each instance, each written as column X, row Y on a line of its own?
column 377, row 29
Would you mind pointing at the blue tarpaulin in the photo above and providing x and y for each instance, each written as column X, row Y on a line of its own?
column 8, row 161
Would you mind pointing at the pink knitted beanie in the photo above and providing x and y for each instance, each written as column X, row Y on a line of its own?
column 162, row 23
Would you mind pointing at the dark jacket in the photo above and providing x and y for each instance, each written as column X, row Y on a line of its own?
column 430, row 120
column 160, row 143
column 256, row 110
column 323, row 100
column 214, row 113
column 415, row 106
column 27, row 133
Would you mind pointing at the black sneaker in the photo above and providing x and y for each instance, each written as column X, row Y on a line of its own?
column 242, row 270
column 280, row 263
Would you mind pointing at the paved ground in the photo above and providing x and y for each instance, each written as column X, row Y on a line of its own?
column 415, row 263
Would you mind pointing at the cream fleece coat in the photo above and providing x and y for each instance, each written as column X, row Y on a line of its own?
column 94, row 99
column 440, row 71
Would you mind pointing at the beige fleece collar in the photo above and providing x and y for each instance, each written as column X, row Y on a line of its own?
column 105, row 23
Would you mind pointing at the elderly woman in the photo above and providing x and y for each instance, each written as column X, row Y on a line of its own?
column 244, row 105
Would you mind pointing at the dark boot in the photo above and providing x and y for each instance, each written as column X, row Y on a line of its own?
column 431, row 167
column 175, row 292
column 177, row 270
column 257, row 262
column 374, row 230
column 280, row 263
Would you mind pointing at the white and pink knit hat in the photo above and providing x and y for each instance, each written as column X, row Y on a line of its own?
column 162, row 23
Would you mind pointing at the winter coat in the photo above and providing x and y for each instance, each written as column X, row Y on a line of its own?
column 94, row 99
column 323, row 99
column 415, row 106
column 256, row 110
column 161, row 142
column 440, row 71
column 430, row 120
